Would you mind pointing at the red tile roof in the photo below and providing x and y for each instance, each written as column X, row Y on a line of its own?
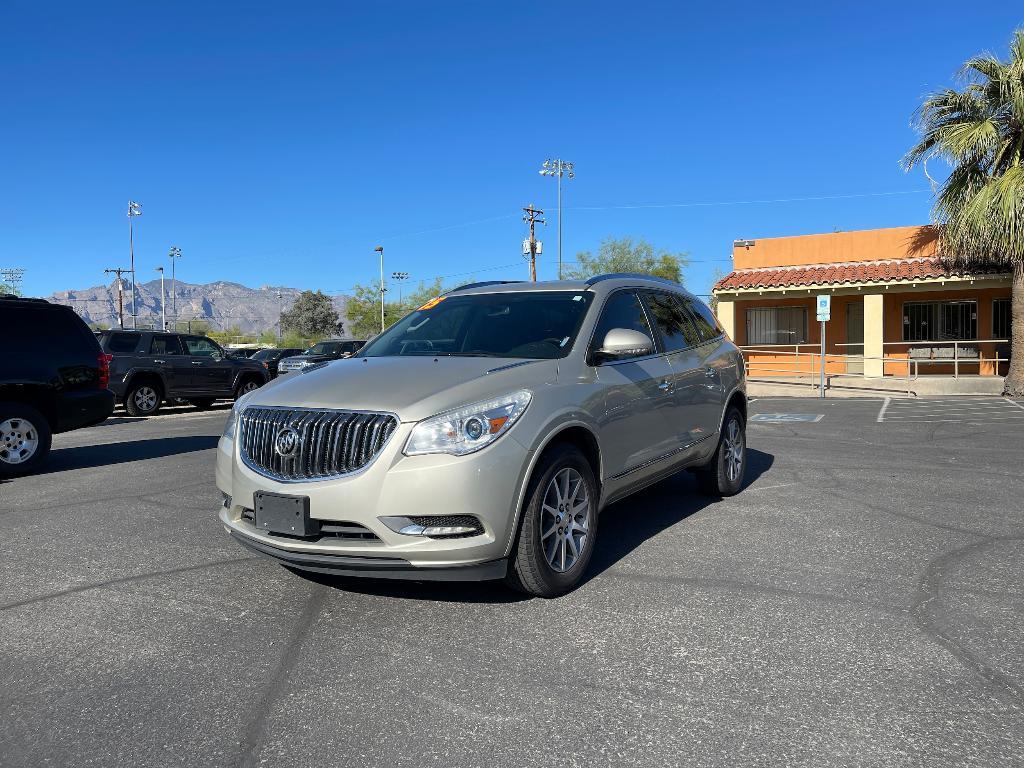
column 893, row 270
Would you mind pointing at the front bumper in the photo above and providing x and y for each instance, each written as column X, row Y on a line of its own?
column 485, row 484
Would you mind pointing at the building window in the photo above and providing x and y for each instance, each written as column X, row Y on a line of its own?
column 777, row 325
column 1001, row 319
column 940, row 321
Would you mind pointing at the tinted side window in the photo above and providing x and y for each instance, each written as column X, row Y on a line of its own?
column 123, row 342
column 706, row 321
column 165, row 345
column 677, row 331
column 622, row 310
column 201, row 347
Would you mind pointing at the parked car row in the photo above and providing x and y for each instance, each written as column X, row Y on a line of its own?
column 58, row 375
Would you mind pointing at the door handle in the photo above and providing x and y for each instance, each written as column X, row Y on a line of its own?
column 665, row 386
column 709, row 372
column 159, row 361
column 197, row 362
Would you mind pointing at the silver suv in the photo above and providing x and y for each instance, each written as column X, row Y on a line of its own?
column 479, row 437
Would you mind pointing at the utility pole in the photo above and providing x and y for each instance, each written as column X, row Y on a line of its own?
column 531, row 216
column 380, row 249
column 120, row 293
column 134, row 209
column 558, row 168
column 12, row 276
column 163, row 301
column 174, row 254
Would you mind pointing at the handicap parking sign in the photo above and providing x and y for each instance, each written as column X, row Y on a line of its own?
column 825, row 306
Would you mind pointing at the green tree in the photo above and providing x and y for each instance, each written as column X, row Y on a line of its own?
column 978, row 131
column 628, row 255
column 268, row 337
column 8, row 288
column 363, row 309
column 312, row 314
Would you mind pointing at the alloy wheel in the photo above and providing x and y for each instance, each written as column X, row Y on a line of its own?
column 249, row 386
column 564, row 520
column 19, row 441
column 734, row 451
column 145, row 399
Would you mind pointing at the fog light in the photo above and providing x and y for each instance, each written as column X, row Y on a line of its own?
column 226, row 501
column 439, row 526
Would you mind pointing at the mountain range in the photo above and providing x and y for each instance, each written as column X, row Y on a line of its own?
column 222, row 305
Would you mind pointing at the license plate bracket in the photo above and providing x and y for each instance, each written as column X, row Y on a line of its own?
column 279, row 513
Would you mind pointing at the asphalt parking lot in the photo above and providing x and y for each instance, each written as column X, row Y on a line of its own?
column 859, row 603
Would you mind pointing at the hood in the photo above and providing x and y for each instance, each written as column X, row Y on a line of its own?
column 412, row 387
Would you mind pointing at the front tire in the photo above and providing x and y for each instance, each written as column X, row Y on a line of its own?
column 723, row 474
column 247, row 385
column 558, row 527
column 25, row 439
column 143, row 399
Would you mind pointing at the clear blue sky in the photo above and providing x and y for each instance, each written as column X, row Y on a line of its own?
column 278, row 143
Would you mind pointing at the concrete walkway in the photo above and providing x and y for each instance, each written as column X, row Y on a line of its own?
column 842, row 386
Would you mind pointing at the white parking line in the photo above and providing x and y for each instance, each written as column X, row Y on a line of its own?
column 954, row 411
column 885, row 406
column 1014, row 402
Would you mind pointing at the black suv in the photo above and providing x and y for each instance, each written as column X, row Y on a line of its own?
column 53, row 379
column 149, row 367
column 322, row 352
column 269, row 358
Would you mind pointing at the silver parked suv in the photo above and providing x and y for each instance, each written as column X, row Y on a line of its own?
column 480, row 436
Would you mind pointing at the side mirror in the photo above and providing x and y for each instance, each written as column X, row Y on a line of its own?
column 625, row 342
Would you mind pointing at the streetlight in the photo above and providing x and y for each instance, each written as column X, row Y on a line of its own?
column 174, row 253
column 380, row 249
column 558, row 168
column 280, row 313
column 134, row 209
column 163, row 300
column 401, row 277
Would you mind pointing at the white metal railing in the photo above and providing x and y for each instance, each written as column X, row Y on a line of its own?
column 798, row 363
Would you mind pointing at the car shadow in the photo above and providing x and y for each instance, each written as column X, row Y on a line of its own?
column 625, row 525
column 84, row 456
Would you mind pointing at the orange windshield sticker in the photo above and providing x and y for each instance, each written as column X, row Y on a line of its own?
column 432, row 303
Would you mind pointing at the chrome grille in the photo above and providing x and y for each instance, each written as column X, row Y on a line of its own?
column 330, row 443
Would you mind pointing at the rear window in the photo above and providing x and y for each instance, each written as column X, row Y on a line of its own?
column 39, row 326
column 123, row 342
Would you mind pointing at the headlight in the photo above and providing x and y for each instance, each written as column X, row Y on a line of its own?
column 229, row 427
column 467, row 429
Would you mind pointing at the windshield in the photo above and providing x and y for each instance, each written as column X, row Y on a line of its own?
column 324, row 348
column 525, row 325
column 266, row 354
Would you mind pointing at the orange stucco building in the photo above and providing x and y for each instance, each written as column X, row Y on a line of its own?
column 896, row 308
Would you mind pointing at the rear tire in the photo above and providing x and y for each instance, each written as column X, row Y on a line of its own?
column 143, row 398
column 558, row 527
column 25, row 439
column 723, row 474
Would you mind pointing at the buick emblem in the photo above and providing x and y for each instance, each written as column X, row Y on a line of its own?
column 286, row 442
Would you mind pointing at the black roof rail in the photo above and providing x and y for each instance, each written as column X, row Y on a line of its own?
column 630, row 275
column 14, row 297
column 481, row 285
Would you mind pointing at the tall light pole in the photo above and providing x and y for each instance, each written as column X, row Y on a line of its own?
column 401, row 277
column 380, row 249
column 163, row 301
column 174, row 254
column 280, row 314
column 134, row 209
column 558, row 168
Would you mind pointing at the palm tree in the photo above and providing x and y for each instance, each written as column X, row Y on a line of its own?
column 979, row 209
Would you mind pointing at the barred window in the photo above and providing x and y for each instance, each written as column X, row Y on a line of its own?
column 1001, row 319
column 777, row 325
column 940, row 320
